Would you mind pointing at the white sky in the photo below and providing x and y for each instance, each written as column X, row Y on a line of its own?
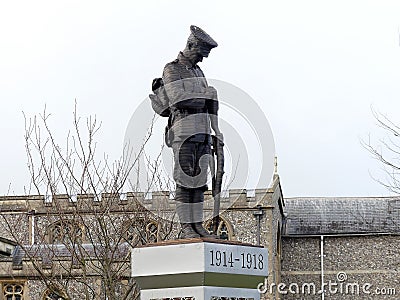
column 314, row 67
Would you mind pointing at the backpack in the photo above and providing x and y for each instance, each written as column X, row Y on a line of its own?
column 159, row 100
column 160, row 104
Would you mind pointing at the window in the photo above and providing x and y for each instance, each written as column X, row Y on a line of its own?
column 224, row 231
column 13, row 291
column 152, row 231
column 142, row 231
column 50, row 295
column 278, row 240
column 65, row 232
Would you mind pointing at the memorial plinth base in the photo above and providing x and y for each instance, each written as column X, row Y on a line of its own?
column 199, row 269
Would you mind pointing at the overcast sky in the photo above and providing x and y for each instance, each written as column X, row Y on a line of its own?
column 314, row 67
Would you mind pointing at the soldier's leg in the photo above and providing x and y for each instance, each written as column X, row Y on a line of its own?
column 184, row 157
column 184, row 163
column 198, row 196
column 203, row 149
column 184, row 211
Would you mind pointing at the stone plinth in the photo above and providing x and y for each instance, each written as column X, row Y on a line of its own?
column 199, row 269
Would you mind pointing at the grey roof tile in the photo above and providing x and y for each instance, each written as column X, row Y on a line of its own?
column 308, row 216
column 48, row 252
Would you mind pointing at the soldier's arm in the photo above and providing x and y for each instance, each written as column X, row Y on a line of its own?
column 176, row 91
column 212, row 108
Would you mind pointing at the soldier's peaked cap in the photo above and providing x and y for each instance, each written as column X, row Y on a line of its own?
column 200, row 35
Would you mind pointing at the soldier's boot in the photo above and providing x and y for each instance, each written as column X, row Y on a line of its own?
column 185, row 217
column 198, row 197
column 188, row 232
column 198, row 227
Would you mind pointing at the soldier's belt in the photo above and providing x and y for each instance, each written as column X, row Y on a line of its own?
column 190, row 111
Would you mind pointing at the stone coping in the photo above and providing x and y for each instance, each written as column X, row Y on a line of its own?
column 198, row 240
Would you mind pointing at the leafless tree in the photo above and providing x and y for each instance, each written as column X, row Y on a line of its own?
column 387, row 151
column 86, row 225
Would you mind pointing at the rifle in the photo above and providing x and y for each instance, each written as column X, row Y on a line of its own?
column 218, row 172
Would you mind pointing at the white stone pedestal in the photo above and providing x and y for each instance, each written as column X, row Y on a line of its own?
column 199, row 269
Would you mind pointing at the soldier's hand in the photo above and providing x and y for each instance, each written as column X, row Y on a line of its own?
column 220, row 137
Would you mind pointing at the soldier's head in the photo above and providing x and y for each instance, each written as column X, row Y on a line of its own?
column 199, row 44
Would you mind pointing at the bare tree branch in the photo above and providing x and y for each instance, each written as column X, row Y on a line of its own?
column 85, row 232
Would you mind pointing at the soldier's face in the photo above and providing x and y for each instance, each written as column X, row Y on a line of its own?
column 203, row 49
column 196, row 51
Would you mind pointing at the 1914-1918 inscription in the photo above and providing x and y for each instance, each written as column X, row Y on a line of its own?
column 246, row 260
column 240, row 260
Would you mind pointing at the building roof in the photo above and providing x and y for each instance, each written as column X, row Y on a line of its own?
column 358, row 215
column 7, row 241
column 50, row 252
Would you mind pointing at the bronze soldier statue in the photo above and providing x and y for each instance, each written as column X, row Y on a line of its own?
column 193, row 112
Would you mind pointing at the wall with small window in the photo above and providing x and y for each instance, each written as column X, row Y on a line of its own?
column 65, row 232
column 13, row 290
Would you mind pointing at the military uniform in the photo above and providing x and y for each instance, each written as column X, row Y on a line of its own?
column 191, row 101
